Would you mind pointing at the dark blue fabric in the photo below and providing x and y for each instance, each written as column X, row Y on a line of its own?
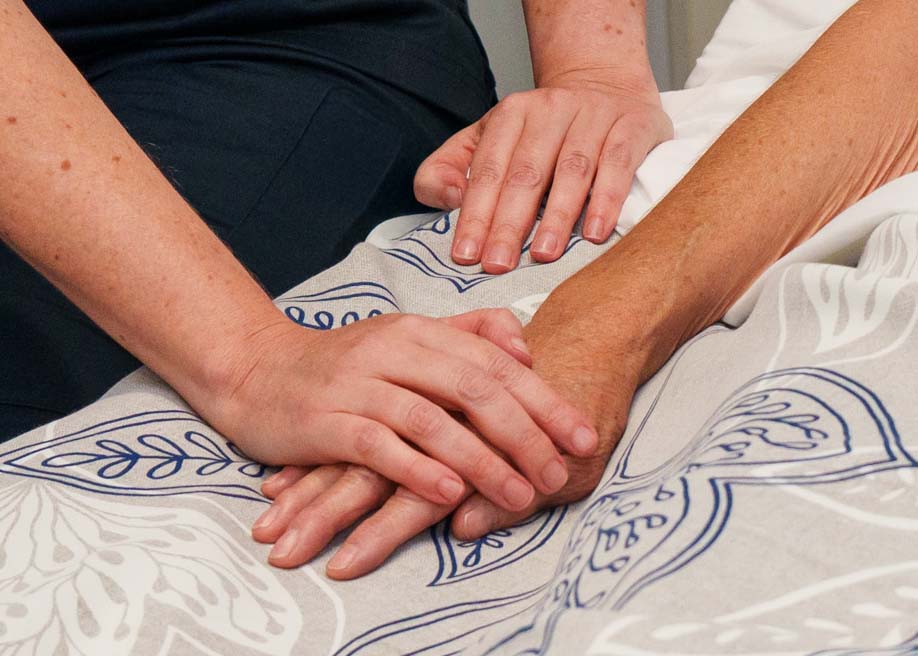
column 292, row 127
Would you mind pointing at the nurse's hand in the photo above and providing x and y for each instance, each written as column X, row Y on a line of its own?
column 376, row 393
column 570, row 135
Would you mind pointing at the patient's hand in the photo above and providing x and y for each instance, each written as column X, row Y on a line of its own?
column 311, row 507
column 570, row 134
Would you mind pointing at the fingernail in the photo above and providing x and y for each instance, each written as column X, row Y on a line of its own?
column 466, row 249
column 453, row 197
column 518, row 493
column 593, row 228
column 554, row 475
column 475, row 523
column 266, row 519
column 285, row 545
column 519, row 345
column 344, row 557
column 499, row 255
column 585, row 440
column 273, row 478
column 545, row 244
column 450, row 489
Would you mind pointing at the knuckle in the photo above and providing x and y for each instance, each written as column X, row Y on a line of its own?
column 407, row 497
column 415, row 468
column 409, row 324
column 524, row 176
column 508, row 233
column 511, row 104
column 486, row 174
column 286, row 499
column 483, row 468
column 505, row 369
column 527, row 441
column 609, row 197
column 554, row 96
column 473, row 223
column 423, row 420
column 369, row 440
column 474, row 386
column 554, row 414
column 558, row 216
column 504, row 315
column 576, row 163
column 617, row 154
column 359, row 476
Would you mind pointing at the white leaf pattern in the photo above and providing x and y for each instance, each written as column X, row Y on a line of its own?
column 76, row 571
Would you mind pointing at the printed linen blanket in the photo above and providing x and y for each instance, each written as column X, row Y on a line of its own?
column 764, row 499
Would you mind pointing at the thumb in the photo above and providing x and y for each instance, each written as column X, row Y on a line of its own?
column 498, row 326
column 477, row 517
column 441, row 178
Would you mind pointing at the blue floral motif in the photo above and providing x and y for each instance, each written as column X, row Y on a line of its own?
column 795, row 426
column 142, row 454
column 339, row 306
column 491, row 540
column 459, row 561
column 163, row 456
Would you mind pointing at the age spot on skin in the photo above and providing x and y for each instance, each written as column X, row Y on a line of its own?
column 116, row 159
column 619, row 31
column 607, row 27
column 67, row 125
column 11, row 120
column 65, row 165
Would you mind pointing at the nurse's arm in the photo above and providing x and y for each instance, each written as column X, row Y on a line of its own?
column 83, row 204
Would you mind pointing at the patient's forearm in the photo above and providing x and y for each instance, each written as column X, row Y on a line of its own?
column 599, row 41
column 840, row 123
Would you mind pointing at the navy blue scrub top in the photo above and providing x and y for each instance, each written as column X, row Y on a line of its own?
column 411, row 44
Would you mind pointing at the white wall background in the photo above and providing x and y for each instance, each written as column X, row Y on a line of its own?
column 677, row 31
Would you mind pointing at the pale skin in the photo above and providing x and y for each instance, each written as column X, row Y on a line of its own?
column 82, row 203
column 590, row 122
column 842, row 122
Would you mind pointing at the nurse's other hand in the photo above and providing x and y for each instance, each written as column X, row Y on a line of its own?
column 571, row 135
column 376, row 393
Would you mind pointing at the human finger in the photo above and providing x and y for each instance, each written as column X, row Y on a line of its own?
column 497, row 325
column 274, row 521
column 625, row 148
column 317, row 522
column 443, row 437
column 277, row 483
column 441, row 180
column 359, row 438
column 527, row 178
column 499, row 132
column 401, row 517
column 477, row 516
column 561, row 421
column 573, row 175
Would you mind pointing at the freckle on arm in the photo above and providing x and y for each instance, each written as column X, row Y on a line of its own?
column 116, row 158
column 65, row 165
column 11, row 120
